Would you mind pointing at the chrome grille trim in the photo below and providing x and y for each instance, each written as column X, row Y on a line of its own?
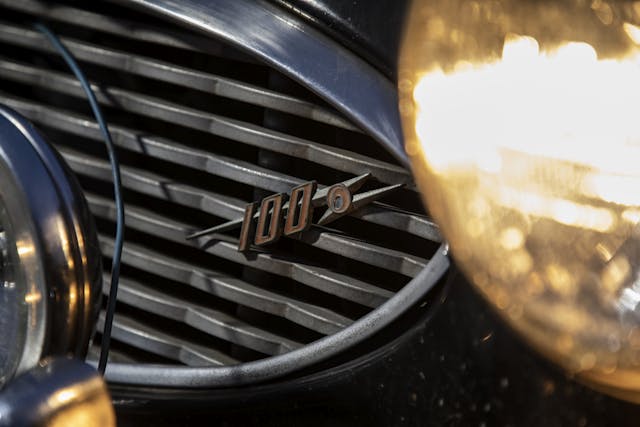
column 164, row 149
column 218, row 295
column 120, row 27
column 115, row 356
column 225, row 247
column 230, row 288
column 137, row 334
column 368, row 253
column 348, row 247
column 159, row 148
column 236, row 130
column 358, row 91
column 213, row 322
column 170, row 73
column 155, row 185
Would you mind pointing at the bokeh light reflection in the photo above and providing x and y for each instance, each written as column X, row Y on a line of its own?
column 521, row 121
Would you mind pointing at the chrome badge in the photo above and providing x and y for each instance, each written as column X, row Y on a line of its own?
column 282, row 214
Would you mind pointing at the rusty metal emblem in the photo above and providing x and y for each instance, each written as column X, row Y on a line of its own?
column 281, row 214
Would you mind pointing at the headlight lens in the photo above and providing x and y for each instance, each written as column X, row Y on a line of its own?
column 23, row 292
column 17, row 316
column 10, row 345
column 521, row 120
column 50, row 265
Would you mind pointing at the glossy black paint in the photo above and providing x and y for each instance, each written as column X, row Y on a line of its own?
column 373, row 29
column 461, row 368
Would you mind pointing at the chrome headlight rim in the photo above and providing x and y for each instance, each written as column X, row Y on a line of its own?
column 56, row 243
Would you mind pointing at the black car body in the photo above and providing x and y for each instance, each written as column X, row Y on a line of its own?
column 219, row 102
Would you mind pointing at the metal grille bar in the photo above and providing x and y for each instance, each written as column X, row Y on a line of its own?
column 224, row 247
column 170, row 346
column 218, row 303
column 213, row 322
column 236, row 130
column 230, row 288
column 164, row 149
column 170, row 73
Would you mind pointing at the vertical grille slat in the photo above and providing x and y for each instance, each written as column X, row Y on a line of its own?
column 203, row 129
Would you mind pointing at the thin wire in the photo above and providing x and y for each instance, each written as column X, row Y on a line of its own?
column 117, row 191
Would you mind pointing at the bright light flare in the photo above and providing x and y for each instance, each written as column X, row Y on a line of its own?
column 563, row 105
column 528, row 155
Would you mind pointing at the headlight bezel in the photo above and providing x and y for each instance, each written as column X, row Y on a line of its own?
column 55, row 244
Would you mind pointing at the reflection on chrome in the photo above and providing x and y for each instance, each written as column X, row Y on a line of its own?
column 63, row 397
column 84, row 404
column 32, row 297
column 521, row 119
column 24, row 248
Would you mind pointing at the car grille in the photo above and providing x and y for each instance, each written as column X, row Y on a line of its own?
column 203, row 129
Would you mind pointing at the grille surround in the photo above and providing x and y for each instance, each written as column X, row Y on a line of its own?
column 287, row 355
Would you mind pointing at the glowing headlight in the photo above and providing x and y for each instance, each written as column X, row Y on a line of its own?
column 522, row 120
column 49, row 257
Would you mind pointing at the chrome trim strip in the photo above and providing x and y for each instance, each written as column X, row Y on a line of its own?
column 220, row 126
column 301, row 52
column 214, row 282
column 131, row 331
column 278, row 366
column 175, row 152
column 121, row 60
column 226, row 247
column 199, row 316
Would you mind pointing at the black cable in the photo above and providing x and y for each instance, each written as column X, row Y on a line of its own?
column 117, row 190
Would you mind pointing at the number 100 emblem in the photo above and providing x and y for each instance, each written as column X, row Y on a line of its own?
column 297, row 213
column 267, row 221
